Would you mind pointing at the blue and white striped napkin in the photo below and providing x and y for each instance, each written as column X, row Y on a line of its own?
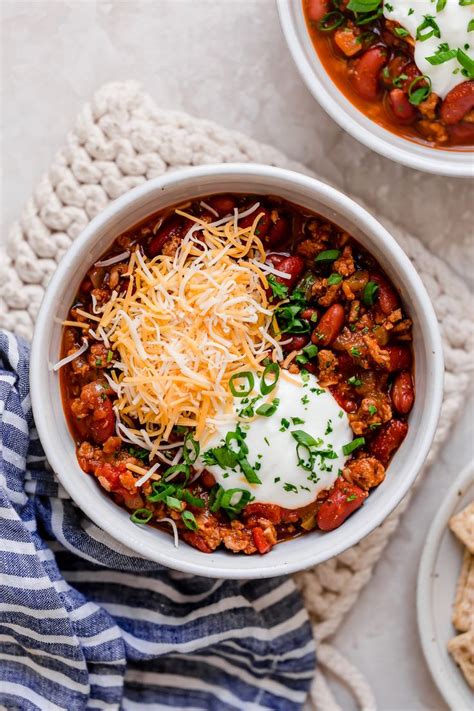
column 86, row 625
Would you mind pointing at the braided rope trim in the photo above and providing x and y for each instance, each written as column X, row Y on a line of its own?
column 120, row 140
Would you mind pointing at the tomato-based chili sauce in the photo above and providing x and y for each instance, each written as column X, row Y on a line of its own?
column 343, row 331
column 371, row 60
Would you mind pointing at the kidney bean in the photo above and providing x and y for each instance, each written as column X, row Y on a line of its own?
column 342, row 500
column 293, row 266
column 278, row 232
column 263, row 545
column 461, row 133
column 411, row 71
column 400, row 358
column 296, row 343
column 264, row 223
column 86, row 285
column 403, row 394
column 386, row 296
column 222, row 204
column 329, row 325
column 365, row 73
column 197, row 541
column 317, row 9
column 272, row 512
column 396, row 66
column 458, row 103
column 207, row 480
column 102, row 424
column 388, row 440
column 401, row 107
column 344, row 397
column 172, row 227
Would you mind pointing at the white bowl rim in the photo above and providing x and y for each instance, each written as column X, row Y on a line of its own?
column 92, row 507
column 432, row 160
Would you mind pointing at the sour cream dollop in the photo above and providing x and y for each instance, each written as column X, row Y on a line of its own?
column 452, row 21
column 304, row 410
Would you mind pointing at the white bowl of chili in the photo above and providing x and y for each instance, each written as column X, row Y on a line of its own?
column 325, row 74
column 132, row 208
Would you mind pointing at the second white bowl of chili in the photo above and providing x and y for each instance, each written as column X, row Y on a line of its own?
column 367, row 86
column 353, row 264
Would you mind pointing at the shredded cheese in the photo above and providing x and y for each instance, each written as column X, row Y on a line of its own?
column 187, row 323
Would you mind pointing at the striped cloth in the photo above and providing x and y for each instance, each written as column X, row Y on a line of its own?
column 85, row 624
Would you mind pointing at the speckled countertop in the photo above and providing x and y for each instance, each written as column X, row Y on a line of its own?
column 227, row 60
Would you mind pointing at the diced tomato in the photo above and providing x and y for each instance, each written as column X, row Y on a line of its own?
column 263, row 545
column 272, row 512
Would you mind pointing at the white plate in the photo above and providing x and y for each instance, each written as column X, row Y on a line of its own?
column 437, row 578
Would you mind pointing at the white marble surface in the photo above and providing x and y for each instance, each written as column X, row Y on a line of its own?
column 227, row 60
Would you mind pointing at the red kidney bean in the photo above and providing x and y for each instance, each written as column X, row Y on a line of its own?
column 86, row 285
column 403, row 394
column 388, row 440
column 278, row 232
column 461, row 133
column 296, row 343
column 458, row 103
column 365, row 74
column 275, row 259
column 102, row 424
column 342, row 500
column 172, row 227
column 197, row 541
column 400, row 358
column 272, row 512
column 401, row 107
column 222, row 204
column 386, row 296
column 293, row 266
column 207, row 480
column 411, row 71
column 396, row 66
column 317, row 9
column 264, row 223
column 329, row 325
column 344, row 397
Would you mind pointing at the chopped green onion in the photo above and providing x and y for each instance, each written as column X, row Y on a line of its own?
column 470, row 27
column 334, row 279
column 249, row 472
column 363, row 5
column 467, row 63
column 369, row 292
column 303, row 437
column 160, row 491
column 270, row 369
column 305, row 456
column 174, row 503
column 416, row 96
column 242, row 448
column 268, row 408
column 110, row 355
column 190, row 454
column 244, row 375
column 192, row 500
column 227, row 499
column 354, row 381
column 328, row 255
column 401, row 32
column 429, row 23
column 372, row 409
column 355, row 444
column 355, row 352
column 440, row 5
column 189, row 520
column 399, row 81
column 141, row 516
column 177, row 468
column 310, row 350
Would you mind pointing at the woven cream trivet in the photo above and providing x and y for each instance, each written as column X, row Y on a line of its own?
column 122, row 139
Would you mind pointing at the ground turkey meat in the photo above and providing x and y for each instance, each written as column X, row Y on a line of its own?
column 366, row 473
column 373, row 412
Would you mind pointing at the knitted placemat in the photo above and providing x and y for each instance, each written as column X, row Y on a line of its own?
column 120, row 140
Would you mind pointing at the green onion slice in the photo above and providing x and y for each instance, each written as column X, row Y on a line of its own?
column 272, row 369
column 328, row 255
column 369, row 292
column 417, row 95
column 141, row 516
column 352, row 446
column 190, row 454
column 235, row 499
column 249, row 472
column 189, row 520
column 245, row 375
column 268, row 408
